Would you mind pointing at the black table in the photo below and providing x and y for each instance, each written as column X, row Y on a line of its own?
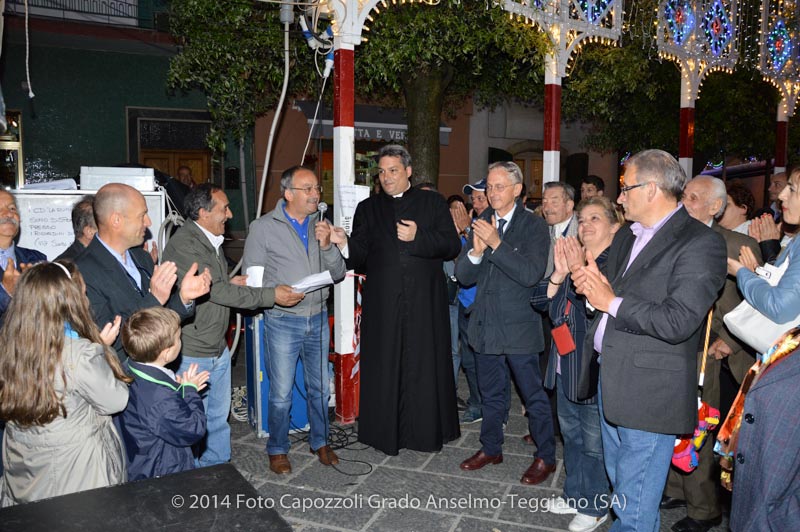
column 209, row 498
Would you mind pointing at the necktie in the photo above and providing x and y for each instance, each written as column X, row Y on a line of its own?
column 500, row 224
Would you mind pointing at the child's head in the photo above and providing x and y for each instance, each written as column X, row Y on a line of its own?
column 150, row 332
column 48, row 296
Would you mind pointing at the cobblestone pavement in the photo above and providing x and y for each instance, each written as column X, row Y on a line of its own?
column 426, row 492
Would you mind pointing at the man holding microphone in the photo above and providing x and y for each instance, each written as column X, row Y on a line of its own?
column 291, row 243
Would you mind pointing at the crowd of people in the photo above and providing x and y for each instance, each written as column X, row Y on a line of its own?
column 624, row 300
column 599, row 306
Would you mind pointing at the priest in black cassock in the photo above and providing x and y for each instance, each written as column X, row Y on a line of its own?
column 400, row 239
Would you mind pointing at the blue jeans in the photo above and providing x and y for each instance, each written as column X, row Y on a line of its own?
column 493, row 371
column 637, row 463
column 454, row 341
column 287, row 338
column 215, row 448
column 586, row 483
column 468, row 362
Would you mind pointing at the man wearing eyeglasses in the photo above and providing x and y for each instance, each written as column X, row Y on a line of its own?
column 505, row 258
column 662, row 275
column 400, row 239
column 292, row 242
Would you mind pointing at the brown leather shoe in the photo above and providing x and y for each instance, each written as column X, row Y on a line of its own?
column 537, row 472
column 326, row 455
column 279, row 464
column 527, row 439
column 479, row 459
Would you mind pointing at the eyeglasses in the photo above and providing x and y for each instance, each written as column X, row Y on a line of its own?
column 627, row 188
column 498, row 188
column 308, row 189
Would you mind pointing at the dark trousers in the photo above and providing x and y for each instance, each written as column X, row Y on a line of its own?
column 468, row 361
column 493, row 383
column 700, row 487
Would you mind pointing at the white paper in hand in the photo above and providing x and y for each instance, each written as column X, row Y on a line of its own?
column 312, row 282
column 255, row 275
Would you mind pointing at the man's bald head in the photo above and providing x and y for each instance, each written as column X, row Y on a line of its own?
column 112, row 198
column 121, row 215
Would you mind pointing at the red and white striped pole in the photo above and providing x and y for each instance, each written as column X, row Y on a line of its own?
column 551, row 156
column 344, row 174
column 686, row 139
column 686, row 143
column 782, row 136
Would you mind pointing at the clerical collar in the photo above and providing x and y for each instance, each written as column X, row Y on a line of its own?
column 215, row 240
column 403, row 192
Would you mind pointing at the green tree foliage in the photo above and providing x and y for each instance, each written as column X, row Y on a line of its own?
column 432, row 58
column 630, row 101
column 232, row 50
column 631, row 98
column 736, row 115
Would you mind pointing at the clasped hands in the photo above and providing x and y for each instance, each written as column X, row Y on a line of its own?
column 747, row 259
column 586, row 277
column 484, row 236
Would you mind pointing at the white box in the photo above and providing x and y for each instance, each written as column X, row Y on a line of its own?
column 94, row 177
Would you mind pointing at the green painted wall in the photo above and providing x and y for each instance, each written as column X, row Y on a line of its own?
column 78, row 113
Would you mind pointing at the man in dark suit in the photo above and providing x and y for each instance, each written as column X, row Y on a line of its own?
column 663, row 274
column 83, row 226
column 120, row 275
column 505, row 259
column 13, row 259
column 704, row 198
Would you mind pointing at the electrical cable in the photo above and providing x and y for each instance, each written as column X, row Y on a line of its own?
column 28, row 54
column 314, row 121
column 264, row 173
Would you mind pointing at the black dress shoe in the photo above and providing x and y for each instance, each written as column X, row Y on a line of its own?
column 687, row 524
column 670, row 503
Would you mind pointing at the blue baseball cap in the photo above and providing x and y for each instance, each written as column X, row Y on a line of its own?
column 480, row 185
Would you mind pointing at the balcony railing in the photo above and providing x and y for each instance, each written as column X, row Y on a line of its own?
column 140, row 13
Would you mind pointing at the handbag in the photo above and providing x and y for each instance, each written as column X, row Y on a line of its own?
column 686, row 453
column 750, row 325
column 562, row 336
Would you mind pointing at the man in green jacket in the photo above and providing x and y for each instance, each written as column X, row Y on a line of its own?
column 199, row 240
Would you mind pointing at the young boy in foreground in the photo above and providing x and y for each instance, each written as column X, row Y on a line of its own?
column 165, row 415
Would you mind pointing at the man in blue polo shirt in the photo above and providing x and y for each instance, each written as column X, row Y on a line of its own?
column 290, row 243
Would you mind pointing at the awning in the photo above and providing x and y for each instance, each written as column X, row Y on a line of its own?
column 372, row 122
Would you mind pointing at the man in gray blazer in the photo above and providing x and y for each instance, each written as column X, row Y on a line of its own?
column 663, row 274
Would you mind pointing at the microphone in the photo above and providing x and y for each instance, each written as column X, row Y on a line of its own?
column 322, row 207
